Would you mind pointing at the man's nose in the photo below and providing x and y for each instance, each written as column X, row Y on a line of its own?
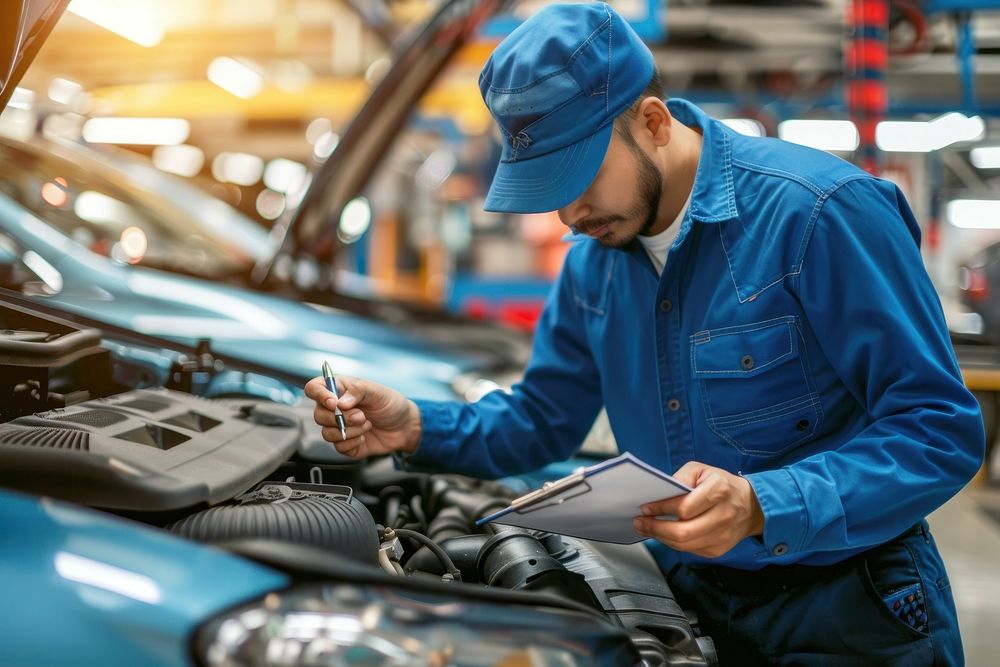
column 573, row 213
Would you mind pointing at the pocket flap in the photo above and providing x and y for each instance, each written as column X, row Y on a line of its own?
column 743, row 351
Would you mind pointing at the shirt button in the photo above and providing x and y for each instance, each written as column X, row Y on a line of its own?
column 665, row 305
column 781, row 549
column 673, row 405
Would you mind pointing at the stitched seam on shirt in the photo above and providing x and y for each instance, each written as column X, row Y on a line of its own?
column 814, row 217
column 807, row 400
column 791, row 350
column 727, row 152
column 815, row 189
column 738, row 329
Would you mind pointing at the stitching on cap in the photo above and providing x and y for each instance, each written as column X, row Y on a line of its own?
column 608, row 85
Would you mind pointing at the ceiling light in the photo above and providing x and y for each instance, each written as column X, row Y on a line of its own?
column 747, row 126
column 827, row 135
column 144, row 131
column 235, row 77
column 122, row 17
column 985, row 157
column 927, row 136
column 974, row 213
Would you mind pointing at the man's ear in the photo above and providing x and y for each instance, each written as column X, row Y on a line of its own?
column 654, row 120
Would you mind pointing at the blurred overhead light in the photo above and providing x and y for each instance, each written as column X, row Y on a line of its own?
column 64, row 91
column 183, row 160
column 284, row 175
column 235, row 77
column 317, row 128
column 974, row 213
column 325, row 145
column 239, row 168
column 923, row 137
column 22, row 98
column 270, row 204
column 17, row 123
column 101, row 209
column 145, row 131
column 354, row 220
column 134, row 244
column 985, row 157
column 827, row 135
column 131, row 20
column 747, row 126
column 377, row 70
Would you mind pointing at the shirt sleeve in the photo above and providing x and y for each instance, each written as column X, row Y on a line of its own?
column 545, row 417
column 873, row 308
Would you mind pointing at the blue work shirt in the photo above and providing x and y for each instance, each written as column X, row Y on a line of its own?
column 793, row 337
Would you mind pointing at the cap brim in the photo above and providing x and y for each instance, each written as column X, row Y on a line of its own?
column 551, row 181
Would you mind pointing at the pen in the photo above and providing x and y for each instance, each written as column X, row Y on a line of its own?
column 331, row 384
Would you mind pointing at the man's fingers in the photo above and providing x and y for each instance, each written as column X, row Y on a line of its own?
column 688, row 506
column 317, row 391
column 333, row 434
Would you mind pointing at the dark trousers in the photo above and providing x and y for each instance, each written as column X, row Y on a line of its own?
column 891, row 605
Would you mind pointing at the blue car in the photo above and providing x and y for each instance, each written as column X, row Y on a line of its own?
column 165, row 501
column 70, row 249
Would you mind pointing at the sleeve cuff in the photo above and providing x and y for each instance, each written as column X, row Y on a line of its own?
column 785, row 517
column 438, row 422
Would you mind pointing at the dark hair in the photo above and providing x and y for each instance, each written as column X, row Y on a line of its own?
column 655, row 88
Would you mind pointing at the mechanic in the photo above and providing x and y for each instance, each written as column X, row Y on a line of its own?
column 756, row 318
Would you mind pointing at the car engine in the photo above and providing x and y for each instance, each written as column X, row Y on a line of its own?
column 255, row 477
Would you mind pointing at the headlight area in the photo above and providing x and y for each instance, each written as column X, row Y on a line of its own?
column 340, row 624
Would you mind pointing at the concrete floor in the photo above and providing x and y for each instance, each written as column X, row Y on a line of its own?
column 970, row 544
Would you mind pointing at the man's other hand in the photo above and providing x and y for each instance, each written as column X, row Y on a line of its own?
column 721, row 511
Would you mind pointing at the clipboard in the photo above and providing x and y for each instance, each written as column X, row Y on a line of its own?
column 594, row 503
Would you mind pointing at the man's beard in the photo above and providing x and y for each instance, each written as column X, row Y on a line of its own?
column 646, row 207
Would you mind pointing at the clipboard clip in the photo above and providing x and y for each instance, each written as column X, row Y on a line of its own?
column 549, row 489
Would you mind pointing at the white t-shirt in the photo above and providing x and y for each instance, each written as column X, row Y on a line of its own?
column 658, row 245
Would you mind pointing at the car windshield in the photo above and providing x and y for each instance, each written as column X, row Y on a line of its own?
column 107, row 212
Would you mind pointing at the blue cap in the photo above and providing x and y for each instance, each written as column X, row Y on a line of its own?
column 555, row 86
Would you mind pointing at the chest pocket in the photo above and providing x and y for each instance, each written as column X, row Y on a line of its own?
column 755, row 386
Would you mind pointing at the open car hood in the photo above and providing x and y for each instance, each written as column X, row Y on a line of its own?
column 24, row 26
column 416, row 64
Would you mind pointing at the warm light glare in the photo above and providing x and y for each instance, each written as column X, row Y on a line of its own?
column 284, row 175
column 134, row 244
column 974, row 213
column 924, row 137
column 317, row 128
column 131, row 20
column 22, row 98
column 101, row 209
column 270, row 204
column 239, row 168
column 108, row 577
column 54, row 194
column 143, row 131
column 325, row 145
column 747, row 126
column 985, row 157
column 235, row 77
column 183, row 160
column 354, row 220
column 64, row 91
column 827, row 135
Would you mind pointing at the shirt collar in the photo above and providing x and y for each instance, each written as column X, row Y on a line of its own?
column 712, row 197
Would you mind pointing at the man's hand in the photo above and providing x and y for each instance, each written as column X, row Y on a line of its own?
column 379, row 420
column 720, row 512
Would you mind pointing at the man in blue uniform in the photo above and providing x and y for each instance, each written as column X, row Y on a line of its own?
column 756, row 319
